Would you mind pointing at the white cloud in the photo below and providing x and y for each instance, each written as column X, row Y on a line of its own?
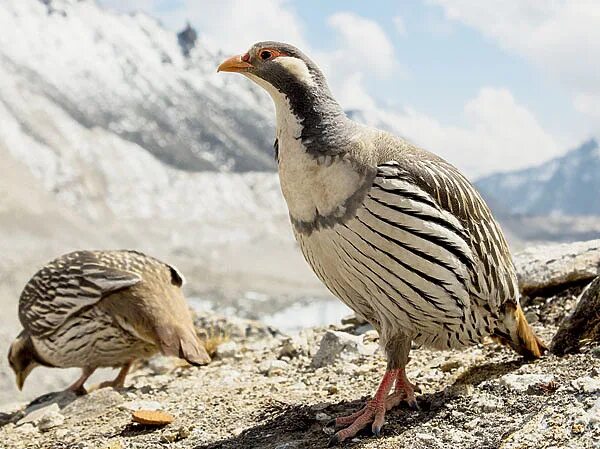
column 562, row 37
column 229, row 25
column 362, row 50
column 363, row 42
column 499, row 134
column 399, row 25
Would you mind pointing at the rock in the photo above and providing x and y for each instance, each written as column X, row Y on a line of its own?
column 288, row 348
column 321, row 416
column 450, row 365
column 38, row 414
column 26, row 428
column 487, row 402
column 272, row 367
column 152, row 417
column 116, row 444
column 582, row 326
column 335, row 345
column 51, row 420
column 227, row 349
column 354, row 319
column 162, row 364
column 132, row 406
column 173, row 435
column 593, row 414
column 522, row 382
column 587, row 384
column 551, row 267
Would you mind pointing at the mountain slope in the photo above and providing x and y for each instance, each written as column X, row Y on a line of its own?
column 127, row 75
column 568, row 185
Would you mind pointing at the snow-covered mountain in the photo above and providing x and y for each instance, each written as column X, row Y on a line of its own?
column 568, row 185
column 120, row 139
column 131, row 80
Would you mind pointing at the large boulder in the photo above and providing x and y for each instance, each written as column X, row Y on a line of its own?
column 582, row 327
column 548, row 268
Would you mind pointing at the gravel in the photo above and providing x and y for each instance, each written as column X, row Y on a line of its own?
column 268, row 390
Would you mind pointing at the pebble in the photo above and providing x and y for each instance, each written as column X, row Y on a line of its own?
column 227, row 349
column 273, row 367
column 522, row 382
column 173, row 435
column 320, row 416
column 51, row 420
column 162, row 364
column 133, row 406
column 488, row 402
column 335, row 345
column 152, row 417
column 39, row 413
column 450, row 365
column 587, row 384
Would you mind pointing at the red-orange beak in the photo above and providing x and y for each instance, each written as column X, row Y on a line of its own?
column 234, row 64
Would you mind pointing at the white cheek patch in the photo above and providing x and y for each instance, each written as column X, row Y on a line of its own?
column 296, row 67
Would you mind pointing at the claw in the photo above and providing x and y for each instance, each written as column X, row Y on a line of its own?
column 330, row 423
column 413, row 405
column 333, row 441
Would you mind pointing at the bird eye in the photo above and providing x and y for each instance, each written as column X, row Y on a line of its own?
column 265, row 55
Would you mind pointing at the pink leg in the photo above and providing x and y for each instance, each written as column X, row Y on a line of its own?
column 373, row 411
column 119, row 381
column 404, row 391
column 78, row 387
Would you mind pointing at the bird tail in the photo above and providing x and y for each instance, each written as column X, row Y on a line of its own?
column 184, row 344
column 516, row 332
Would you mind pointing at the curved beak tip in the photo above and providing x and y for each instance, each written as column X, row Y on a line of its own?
column 234, row 64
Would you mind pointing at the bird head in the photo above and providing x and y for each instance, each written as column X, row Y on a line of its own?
column 297, row 86
column 281, row 69
column 21, row 358
column 274, row 65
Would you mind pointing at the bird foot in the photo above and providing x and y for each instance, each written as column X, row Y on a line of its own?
column 110, row 383
column 374, row 411
column 79, row 390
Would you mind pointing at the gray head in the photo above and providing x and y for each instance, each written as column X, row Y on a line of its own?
column 295, row 81
column 22, row 358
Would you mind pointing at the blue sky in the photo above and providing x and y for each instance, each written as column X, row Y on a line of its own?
column 490, row 85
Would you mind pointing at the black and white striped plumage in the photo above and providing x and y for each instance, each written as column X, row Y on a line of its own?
column 395, row 232
column 94, row 309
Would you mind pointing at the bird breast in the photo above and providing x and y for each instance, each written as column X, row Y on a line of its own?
column 313, row 188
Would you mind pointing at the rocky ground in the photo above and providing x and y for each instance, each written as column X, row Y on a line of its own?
column 268, row 390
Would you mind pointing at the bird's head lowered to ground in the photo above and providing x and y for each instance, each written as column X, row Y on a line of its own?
column 21, row 358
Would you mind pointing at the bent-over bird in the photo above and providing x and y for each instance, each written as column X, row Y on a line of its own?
column 394, row 231
column 94, row 309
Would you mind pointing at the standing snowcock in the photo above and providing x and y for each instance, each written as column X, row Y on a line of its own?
column 395, row 232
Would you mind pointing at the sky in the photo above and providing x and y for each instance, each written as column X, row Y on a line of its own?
column 494, row 85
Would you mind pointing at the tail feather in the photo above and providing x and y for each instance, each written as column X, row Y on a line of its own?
column 518, row 334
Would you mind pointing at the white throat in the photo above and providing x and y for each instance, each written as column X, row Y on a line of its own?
column 311, row 186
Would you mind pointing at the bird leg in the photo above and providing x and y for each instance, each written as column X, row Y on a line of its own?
column 118, row 381
column 404, row 391
column 78, row 386
column 373, row 411
column 397, row 350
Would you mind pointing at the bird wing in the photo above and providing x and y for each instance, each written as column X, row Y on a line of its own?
column 437, row 203
column 65, row 287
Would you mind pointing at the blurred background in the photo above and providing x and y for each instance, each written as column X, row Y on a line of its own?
column 117, row 132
